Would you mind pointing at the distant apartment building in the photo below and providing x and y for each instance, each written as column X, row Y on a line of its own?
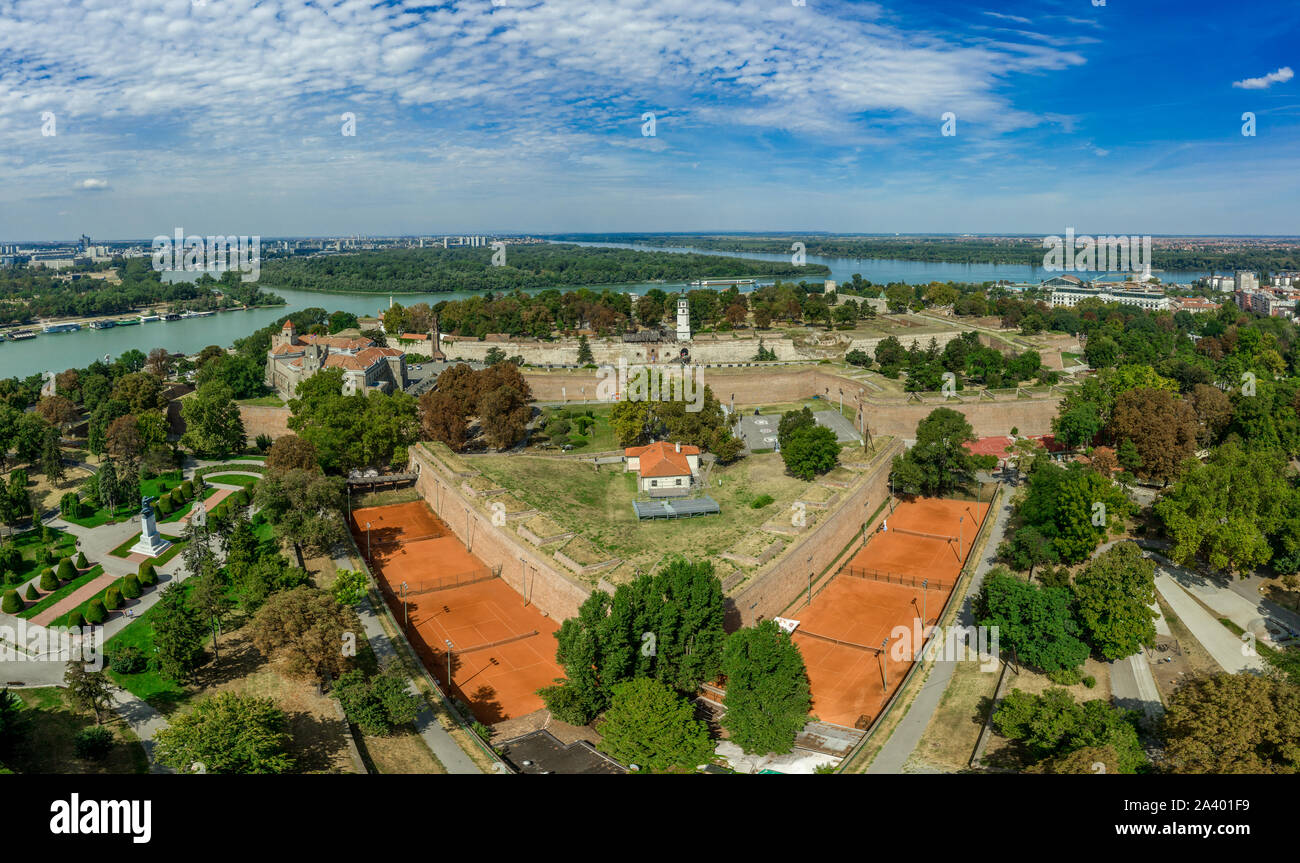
column 1277, row 303
column 366, row 367
column 1195, row 305
column 1068, row 291
column 1244, row 280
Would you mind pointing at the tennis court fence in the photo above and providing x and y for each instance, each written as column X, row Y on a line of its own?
column 446, row 582
column 894, row 578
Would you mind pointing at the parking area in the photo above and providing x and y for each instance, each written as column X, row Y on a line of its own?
column 759, row 432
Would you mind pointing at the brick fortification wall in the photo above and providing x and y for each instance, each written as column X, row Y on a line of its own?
column 530, row 574
column 757, row 385
column 262, row 419
column 784, row 580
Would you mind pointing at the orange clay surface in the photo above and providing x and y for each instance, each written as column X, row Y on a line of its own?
column 498, row 682
column 848, row 683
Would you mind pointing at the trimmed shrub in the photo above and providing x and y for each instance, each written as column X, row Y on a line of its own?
column 11, row 577
column 48, row 581
column 49, row 557
column 95, row 612
column 131, row 587
column 93, row 743
column 129, row 660
column 12, row 603
column 66, row 572
column 148, row 576
column 188, row 488
column 113, row 598
column 10, row 556
column 31, row 592
column 81, row 561
column 162, row 488
column 240, row 498
column 163, row 506
column 76, row 619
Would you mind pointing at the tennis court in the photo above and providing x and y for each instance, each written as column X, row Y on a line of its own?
column 842, row 631
column 502, row 652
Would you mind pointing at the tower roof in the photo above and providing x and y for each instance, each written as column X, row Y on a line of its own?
column 288, row 325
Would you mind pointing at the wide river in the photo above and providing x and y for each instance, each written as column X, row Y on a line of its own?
column 78, row 349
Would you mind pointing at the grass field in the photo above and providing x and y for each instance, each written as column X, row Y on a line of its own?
column 49, row 746
column 124, row 550
column 232, row 479
column 189, row 505
column 599, row 436
column 30, row 546
column 150, row 686
column 950, row 738
column 262, row 401
column 148, row 488
column 597, row 504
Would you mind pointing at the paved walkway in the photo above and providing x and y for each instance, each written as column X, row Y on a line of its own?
column 85, row 593
column 1224, row 647
column 903, row 742
column 443, row 745
column 1133, row 686
column 144, row 721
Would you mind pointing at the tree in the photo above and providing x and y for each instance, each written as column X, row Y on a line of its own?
column 140, row 391
column 938, row 462
column 1227, row 510
column 379, row 704
column 668, row 626
column 85, row 690
column 767, row 689
column 584, row 351
column 227, row 733
column 1115, row 593
column 442, row 418
column 1034, row 622
column 178, row 633
column 305, row 508
column 811, row 451
column 14, row 723
column 1052, row 726
column 1213, row 411
column 791, row 422
column 57, row 411
column 305, row 628
column 1161, row 426
column 1028, row 548
column 1233, row 724
column 504, row 413
column 1073, row 506
column 122, row 440
column 213, row 425
column 52, row 456
column 349, row 587
column 291, row 452
column 159, row 363
column 209, row 599
column 651, row 726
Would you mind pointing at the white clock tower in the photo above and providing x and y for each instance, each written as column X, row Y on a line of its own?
column 683, row 320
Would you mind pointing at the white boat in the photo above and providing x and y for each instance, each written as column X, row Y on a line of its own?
column 144, row 319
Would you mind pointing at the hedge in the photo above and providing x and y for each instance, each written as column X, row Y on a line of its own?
column 12, row 603
column 31, row 592
column 131, row 587
column 81, row 561
column 113, row 598
column 48, row 581
column 66, row 572
column 163, row 506
column 76, row 619
column 188, row 488
column 95, row 612
column 148, row 576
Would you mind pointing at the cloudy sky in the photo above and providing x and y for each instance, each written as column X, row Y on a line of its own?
column 129, row 118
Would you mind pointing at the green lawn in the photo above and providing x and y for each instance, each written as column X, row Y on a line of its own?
column 48, row 748
column 263, row 401
column 30, row 545
column 159, row 691
column 599, row 436
column 148, row 488
column 65, row 590
column 183, row 511
column 232, row 479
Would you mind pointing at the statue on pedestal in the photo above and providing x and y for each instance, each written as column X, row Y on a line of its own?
column 151, row 543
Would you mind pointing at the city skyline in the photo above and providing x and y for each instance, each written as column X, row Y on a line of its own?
column 530, row 118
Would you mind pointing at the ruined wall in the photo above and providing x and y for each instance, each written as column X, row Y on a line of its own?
column 533, row 575
column 788, row 576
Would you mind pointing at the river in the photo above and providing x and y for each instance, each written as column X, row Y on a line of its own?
column 59, row 351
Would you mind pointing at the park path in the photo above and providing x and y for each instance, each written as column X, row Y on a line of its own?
column 144, row 720
column 1133, row 685
column 1224, row 647
column 85, row 593
column 439, row 740
column 903, row 742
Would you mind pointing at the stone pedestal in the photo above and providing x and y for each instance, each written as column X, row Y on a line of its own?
column 151, row 543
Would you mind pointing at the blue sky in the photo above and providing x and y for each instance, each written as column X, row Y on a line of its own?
column 225, row 116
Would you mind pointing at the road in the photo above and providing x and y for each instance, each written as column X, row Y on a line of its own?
column 1224, row 647
column 900, row 745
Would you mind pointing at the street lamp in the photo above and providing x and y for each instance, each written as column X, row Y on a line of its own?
column 450, row 648
column 924, row 585
column 368, row 557
column 404, row 617
column 884, row 665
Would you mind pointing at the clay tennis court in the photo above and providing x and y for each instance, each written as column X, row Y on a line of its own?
column 841, row 632
column 502, row 653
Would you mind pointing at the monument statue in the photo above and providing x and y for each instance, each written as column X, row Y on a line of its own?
column 151, row 543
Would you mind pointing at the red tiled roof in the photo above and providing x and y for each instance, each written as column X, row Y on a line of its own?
column 288, row 325
column 998, row 445
column 413, row 337
column 661, row 459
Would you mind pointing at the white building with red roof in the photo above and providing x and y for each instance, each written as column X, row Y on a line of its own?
column 664, row 469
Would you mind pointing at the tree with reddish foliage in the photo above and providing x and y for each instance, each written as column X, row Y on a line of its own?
column 442, row 418
column 1162, row 426
column 291, row 453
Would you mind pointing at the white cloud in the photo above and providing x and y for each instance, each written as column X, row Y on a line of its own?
column 1281, row 76
column 93, row 184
